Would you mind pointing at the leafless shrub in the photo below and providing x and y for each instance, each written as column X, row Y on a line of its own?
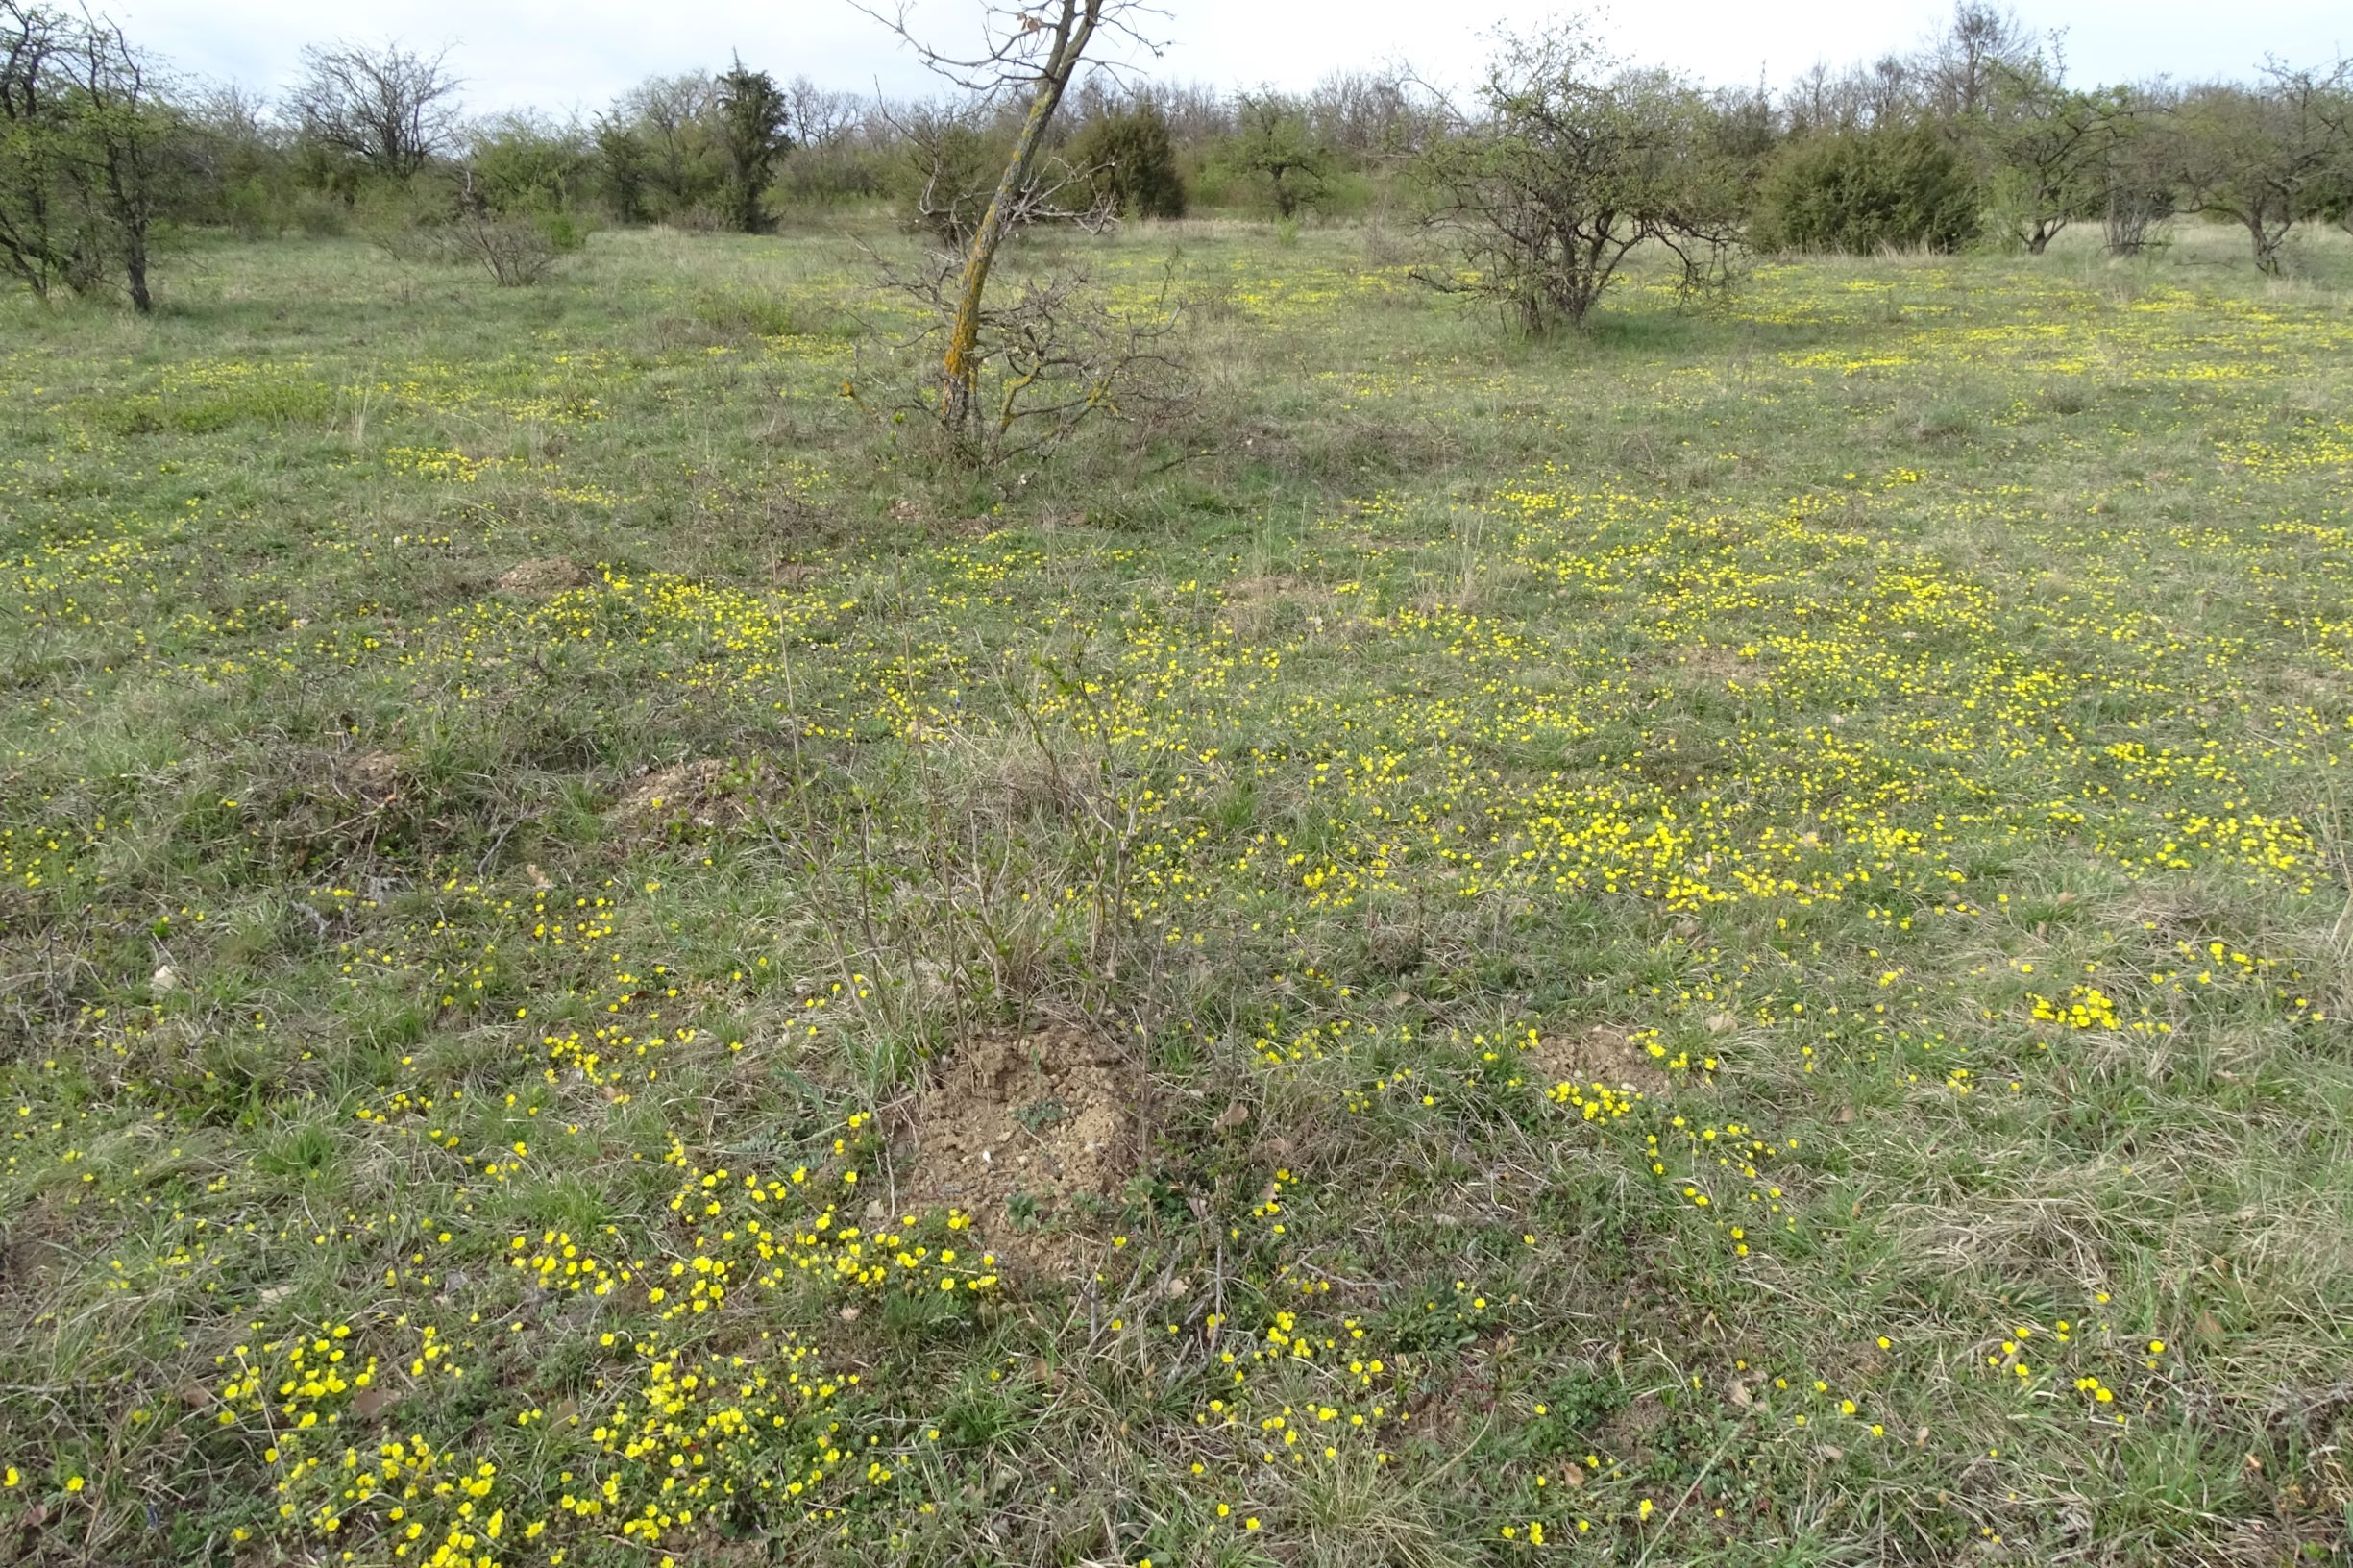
column 956, row 168
column 516, row 252
column 1568, row 164
column 1050, row 354
column 2130, row 214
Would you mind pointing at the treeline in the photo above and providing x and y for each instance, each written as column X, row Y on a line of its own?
column 1978, row 137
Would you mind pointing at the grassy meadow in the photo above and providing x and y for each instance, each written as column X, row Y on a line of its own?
column 1721, row 943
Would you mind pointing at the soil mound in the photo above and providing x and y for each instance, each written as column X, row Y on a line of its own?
column 1033, row 1136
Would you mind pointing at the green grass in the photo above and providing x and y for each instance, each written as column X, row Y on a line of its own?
column 1721, row 943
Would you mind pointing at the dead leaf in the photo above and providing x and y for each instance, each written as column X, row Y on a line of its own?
column 1233, row 1117
column 1740, row 1395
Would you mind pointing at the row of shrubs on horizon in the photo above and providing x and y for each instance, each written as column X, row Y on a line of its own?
column 1978, row 137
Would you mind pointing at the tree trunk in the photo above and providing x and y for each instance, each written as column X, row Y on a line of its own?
column 960, row 369
column 128, row 197
column 2267, row 247
column 135, row 269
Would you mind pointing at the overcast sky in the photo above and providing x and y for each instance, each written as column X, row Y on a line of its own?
column 565, row 54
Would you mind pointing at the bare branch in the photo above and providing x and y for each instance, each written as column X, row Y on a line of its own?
column 1018, row 42
column 389, row 107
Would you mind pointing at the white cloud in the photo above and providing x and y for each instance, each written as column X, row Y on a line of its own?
column 577, row 53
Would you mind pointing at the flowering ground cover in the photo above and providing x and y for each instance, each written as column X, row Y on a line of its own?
column 1725, row 942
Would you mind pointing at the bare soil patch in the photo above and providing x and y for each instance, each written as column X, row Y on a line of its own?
column 1714, row 664
column 373, row 777
column 1031, row 1135
column 1598, row 1055
column 688, row 791
column 544, row 574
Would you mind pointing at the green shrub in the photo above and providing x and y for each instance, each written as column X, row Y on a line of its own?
column 1134, row 163
column 566, row 229
column 250, row 210
column 1863, row 192
column 321, row 214
column 518, row 164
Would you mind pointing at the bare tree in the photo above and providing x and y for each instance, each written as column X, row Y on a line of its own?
column 1196, row 113
column 1275, row 140
column 1822, row 98
column 2260, row 155
column 1571, row 163
column 38, row 230
column 125, row 130
column 672, row 116
column 83, row 138
column 1030, row 57
column 1366, row 113
column 1825, row 98
column 2049, row 144
column 2140, row 169
column 818, row 117
column 1962, row 65
column 1886, row 91
column 388, row 107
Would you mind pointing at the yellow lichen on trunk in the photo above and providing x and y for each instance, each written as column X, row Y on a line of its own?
column 960, row 366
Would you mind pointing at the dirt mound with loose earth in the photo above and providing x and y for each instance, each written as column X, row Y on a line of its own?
column 1033, row 1136
column 547, row 575
column 688, row 791
column 373, row 777
column 1600, row 1055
